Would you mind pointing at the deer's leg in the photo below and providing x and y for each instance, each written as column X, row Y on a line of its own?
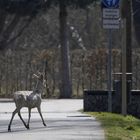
column 29, row 110
column 13, row 114
column 22, row 119
column 39, row 110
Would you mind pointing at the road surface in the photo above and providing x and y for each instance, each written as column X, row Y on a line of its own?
column 63, row 118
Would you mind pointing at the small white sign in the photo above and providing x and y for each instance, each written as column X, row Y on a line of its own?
column 111, row 18
column 111, row 13
column 111, row 22
column 111, row 26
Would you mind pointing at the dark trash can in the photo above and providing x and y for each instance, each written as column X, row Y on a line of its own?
column 95, row 100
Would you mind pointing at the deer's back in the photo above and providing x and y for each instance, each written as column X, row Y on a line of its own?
column 26, row 99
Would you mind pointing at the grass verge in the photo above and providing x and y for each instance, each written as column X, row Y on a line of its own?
column 118, row 127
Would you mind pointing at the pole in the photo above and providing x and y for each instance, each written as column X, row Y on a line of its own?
column 124, row 66
column 109, row 84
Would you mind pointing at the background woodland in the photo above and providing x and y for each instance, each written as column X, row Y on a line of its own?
column 38, row 49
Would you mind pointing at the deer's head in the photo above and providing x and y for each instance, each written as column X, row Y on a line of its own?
column 40, row 77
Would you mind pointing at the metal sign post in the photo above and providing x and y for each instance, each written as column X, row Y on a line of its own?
column 124, row 78
column 110, row 21
column 109, row 67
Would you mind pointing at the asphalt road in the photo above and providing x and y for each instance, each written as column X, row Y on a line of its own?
column 64, row 122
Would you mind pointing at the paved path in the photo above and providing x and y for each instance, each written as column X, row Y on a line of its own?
column 64, row 122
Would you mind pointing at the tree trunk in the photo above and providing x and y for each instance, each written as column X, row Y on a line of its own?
column 2, row 19
column 136, row 19
column 126, row 13
column 66, row 86
column 129, row 40
column 4, row 38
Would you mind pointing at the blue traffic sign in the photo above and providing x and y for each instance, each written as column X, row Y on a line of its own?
column 110, row 3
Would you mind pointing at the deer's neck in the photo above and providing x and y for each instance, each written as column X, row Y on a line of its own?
column 38, row 88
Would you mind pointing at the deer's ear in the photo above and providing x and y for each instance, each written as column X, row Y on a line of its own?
column 35, row 76
column 44, row 83
column 39, row 73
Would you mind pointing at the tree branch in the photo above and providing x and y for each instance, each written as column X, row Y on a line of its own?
column 20, row 32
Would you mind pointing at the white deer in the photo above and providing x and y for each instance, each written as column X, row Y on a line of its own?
column 29, row 99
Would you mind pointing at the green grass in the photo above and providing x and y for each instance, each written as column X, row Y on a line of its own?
column 118, row 127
